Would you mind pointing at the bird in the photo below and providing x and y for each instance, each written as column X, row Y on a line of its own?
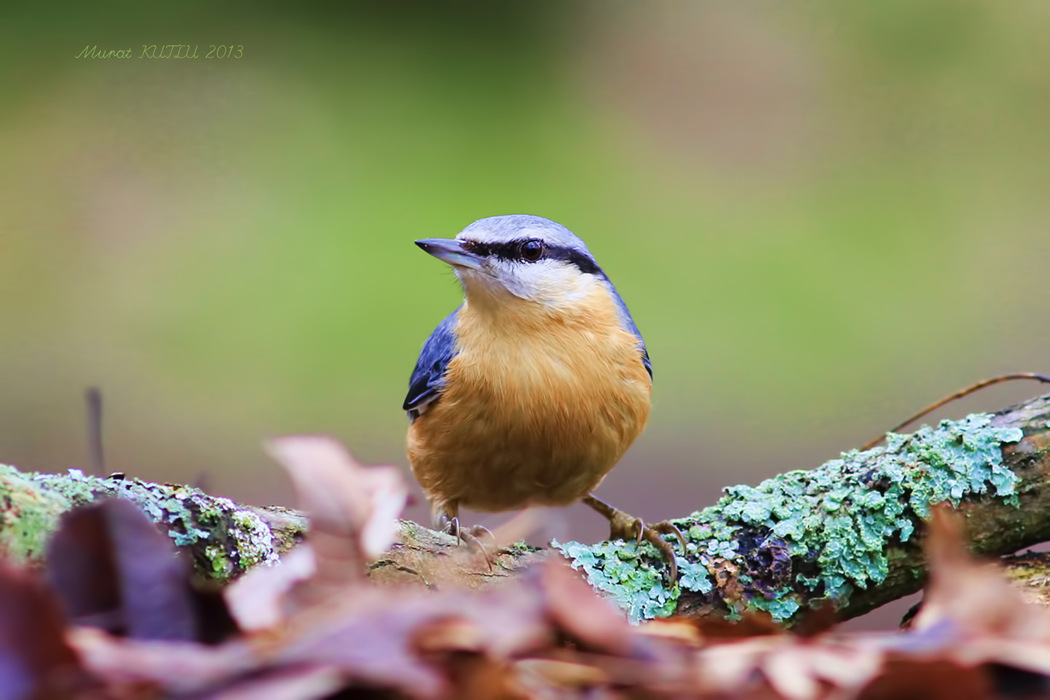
column 531, row 391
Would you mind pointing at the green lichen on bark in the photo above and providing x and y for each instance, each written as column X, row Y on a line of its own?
column 810, row 535
column 223, row 538
column 625, row 574
column 29, row 516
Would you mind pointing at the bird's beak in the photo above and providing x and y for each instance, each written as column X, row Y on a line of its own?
column 451, row 251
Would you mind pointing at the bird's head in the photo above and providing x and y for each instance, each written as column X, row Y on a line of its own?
column 520, row 256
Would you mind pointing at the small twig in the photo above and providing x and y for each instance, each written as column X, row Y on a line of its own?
column 96, row 458
column 958, row 395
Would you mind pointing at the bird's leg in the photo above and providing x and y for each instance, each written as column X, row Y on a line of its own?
column 445, row 518
column 627, row 527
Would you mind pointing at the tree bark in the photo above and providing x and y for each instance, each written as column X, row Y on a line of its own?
column 223, row 539
column 1029, row 572
column 848, row 533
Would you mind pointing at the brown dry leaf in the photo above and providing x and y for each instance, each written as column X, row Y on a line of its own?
column 412, row 643
column 733, row 668
column 789, row 674
column 257, row 599
column 582, row 615
column 718, row 629
column 1015, row 653
column 113, row 569
column 928, row 679
column 515, row 618
column 388, row 495
column 372, row 650
column 797, row 668
column 446, row 644
column 538, row 674
column 974, row 596
column 476, row 677
column 340, row 496
column 973, row 624
column 35, row 659
column 300, row 683
column 803, row 670
column 353, row 510
column 172, row 666
column 672, row 629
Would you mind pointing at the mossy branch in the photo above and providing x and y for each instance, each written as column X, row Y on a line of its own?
column 848, row 532
column 222, row 538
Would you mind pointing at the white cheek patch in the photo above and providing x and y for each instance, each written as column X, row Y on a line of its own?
column 552, row 282
column 481, row 283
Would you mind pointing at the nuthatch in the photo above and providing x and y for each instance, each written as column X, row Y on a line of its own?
column 532, row 390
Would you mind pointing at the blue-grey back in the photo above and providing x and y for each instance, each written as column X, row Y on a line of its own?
column 429, row 374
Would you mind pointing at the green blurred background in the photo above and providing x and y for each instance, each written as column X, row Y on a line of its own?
column 822, row 215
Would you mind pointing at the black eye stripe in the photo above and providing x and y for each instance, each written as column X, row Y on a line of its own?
column 584, row 263
column 503, row 251
column 511, row 250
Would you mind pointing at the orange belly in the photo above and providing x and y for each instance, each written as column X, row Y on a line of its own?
column 532, row 413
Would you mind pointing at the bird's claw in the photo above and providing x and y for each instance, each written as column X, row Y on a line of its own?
column 628, row 527
column 471, row 537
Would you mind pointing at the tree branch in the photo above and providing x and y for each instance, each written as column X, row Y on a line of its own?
column 223, row 539
column 848, row 533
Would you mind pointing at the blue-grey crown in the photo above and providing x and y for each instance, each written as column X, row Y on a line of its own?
column 513, row 227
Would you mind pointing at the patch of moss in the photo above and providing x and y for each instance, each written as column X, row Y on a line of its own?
column 219, row 563
column 621, row 571
column 254, row 540
column 410, row 529
column 29, row 516
column 223, row 538
column 816, row 534
column 519, row 548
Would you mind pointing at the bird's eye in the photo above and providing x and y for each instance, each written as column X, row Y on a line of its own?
column 531, row 250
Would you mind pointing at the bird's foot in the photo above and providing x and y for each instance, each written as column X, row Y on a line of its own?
column 628, row 527
column 470, row 536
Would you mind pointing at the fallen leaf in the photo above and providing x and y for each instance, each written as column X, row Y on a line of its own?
column 403, row 640
column 928, row 679
column 113, row 569
column 353, row 510
column 584, row 616
column 574, row 675
column 299, row 683
column 172, row 666
column 35, row 659
column 257, row 600
column 974, row 595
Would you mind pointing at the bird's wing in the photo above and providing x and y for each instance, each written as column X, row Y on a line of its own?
column 429, row 375
column 628, row 323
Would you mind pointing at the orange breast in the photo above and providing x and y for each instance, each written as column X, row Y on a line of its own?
column 538, row 406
